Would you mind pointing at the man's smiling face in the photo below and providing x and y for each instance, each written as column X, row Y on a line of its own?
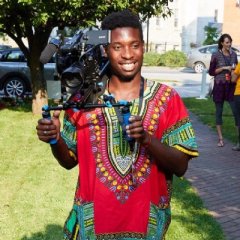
column 125, row 52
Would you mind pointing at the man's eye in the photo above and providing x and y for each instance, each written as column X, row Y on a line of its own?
column 116, row 47
column 135, row 45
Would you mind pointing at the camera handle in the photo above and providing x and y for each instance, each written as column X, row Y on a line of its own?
column 47, row 115
column 79, row 105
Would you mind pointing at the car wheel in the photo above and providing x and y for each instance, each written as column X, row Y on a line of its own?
column 198, row 67
column 14, row 87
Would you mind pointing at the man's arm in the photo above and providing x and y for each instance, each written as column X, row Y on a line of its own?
column 172, row 152
column 50, row 129
column 168, row 158
column 62, row 154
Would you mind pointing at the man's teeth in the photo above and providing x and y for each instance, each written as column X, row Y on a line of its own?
column 128, row 66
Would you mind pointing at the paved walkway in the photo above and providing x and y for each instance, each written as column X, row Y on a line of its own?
column 216, row 176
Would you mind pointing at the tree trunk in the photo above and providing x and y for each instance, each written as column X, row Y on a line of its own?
column 37, row 43
column 39, row 101
column 39, row 89
column 38, row 82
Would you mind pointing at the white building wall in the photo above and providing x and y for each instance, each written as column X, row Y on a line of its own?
column 163, row 34
column 185, row 28
column 188, row 22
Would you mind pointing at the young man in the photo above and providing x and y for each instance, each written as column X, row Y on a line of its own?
column 124, row 187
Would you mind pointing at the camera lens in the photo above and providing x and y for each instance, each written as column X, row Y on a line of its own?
column 72, row 77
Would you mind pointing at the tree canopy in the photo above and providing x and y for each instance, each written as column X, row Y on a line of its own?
column 34, row 20
column 212, row 35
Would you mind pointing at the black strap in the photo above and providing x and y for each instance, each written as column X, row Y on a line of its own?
column 118, row 112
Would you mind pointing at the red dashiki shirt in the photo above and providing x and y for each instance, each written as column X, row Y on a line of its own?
column 122, row 194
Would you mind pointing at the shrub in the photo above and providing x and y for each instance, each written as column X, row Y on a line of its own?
column 151, row 59
column 173, row 58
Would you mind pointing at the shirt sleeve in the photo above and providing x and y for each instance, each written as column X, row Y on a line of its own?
column 237, row 69
column 179, row 131
column 69, row 133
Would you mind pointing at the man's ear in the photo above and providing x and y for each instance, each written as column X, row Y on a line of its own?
column 143, row 47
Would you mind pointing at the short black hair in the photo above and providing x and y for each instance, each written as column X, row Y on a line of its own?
column 222, row 38
column 124, row 18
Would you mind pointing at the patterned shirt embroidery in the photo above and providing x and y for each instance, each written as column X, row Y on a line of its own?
column 113, row 156
column 110, row 157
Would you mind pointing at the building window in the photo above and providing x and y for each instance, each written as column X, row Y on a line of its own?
column 216, row 15
column 175, row 17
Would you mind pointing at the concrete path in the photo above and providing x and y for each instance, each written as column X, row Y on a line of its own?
column 216, row 176
column 184, row 80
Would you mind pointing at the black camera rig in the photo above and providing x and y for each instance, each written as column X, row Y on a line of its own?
column 83, row 69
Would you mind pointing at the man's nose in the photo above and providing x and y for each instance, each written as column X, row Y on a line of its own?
column 127, row 53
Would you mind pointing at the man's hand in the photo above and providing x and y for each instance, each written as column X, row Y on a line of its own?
column 168, row 158
column 135, row 130
column 48, row 129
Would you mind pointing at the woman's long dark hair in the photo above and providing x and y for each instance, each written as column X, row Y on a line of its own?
column 221, row 40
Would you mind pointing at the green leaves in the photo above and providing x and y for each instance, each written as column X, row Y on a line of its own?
column 212, row 35
column 33, row 20
column 44, row 12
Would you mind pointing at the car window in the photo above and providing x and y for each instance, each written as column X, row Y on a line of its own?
column 202, row 50
column 4, row 47
column 18, row 56
column 1, row 55
column 211, row 49
column 15, row 56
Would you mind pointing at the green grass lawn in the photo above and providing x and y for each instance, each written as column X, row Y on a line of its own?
column 37, row 194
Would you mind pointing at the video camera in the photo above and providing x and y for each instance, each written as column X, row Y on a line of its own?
column 82, row 67
column 81, row 63
column 83, row 70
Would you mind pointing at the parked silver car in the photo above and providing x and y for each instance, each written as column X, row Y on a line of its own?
column 15, row 74
column 199, row 58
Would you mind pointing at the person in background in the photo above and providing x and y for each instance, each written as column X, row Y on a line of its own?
column 222, row 63
column 236, row 79
column 125, row 171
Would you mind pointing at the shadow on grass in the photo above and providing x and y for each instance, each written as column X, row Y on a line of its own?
column 52, row 232
column 18, row 105
column 196, row 220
